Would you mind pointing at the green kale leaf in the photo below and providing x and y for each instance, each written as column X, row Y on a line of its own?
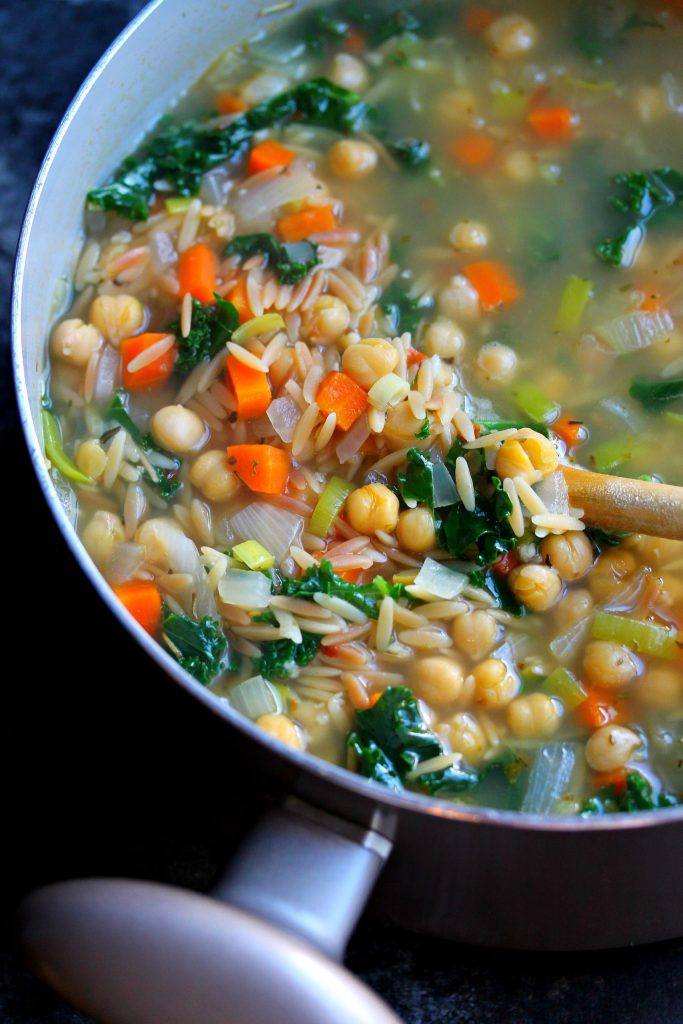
column 166, row 482
column 279, row 659
column 424, row 432
column 322, row 579
column 645, row 194
column 212, row 327
column 290, row 260
column 495, row 583
column 403, row 312
column 491, row 425
column 199, row 647
column 655, row 395
column 637, row 795
column 410, row 152
column 484, row 533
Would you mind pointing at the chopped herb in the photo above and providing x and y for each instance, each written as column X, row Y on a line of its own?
column 423, row 433
column 374, row 22
column 403, row 311
column 199, row 647
column 411, row 152
column 655, row 395
column 497, row 586
column 491, row 425
column 417, row 483
column 637, row 795
column 279, row 659
column 166, row 483
column 322, row 579
column 637, row 20
column 212, row 327
column 391, row 740
column 605, row 538
column 646, row 193
column 290, row 260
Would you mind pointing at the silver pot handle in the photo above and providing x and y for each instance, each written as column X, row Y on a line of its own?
column 130, row 952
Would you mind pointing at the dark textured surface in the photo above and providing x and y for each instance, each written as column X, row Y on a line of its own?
column 108, row 769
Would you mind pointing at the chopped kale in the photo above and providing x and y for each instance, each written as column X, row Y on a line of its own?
column 491, row 425
column 410, row 152
column 424, row 432
column 326, row 105
column 279, row 659
column 597, row 31
column 645, row 194
column 290, row 260
column 391, row 740
column 322, row 579
column 403, row 311
column 495, row 583
column 166, row 483
column 636, row 795
column 655, row 395
column 637, row 20
column 199, row 647
column 605, row 538
column 212, row 327
column 417, row 483
column 374, row 22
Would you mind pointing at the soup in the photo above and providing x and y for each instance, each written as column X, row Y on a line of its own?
column 335, row 328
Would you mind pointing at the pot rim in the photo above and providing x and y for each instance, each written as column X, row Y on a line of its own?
column 303, row 762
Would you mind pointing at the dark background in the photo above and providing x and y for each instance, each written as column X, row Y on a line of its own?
column 109, row 769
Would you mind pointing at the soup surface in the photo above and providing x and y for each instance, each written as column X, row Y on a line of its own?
column 335, row 327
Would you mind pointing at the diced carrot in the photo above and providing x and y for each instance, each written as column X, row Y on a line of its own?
column 355, row 41
column 554, row 124
column 506, row 563
column 652, row 301
column 478, row 18
column 142, row 599
column 477, row 429
column 572, row 432
column 262, row 467
column 295, row 227
column 493, row 282
column 340, row 394
column 596, row 710
column 350, row 575
column 269, row 154
column 230, row 103
column 250, row 387
column 197, row 272
column 414, row 357
column 474, row 150
column 240, row 300
column 153, row 373
column 616, row 779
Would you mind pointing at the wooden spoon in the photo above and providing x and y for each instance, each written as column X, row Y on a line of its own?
column 618, row 503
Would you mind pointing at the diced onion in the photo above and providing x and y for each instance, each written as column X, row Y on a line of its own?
column 106, row 381
column 566, row 645
column 257, row 325
column 255, row 204
column 550, row 777
column 255, row 697
column 437, row 580
column 673, row 93
column 284, row 414
column 445, row 492
column 635, row 330
column 553, row 492
column 274, row 528
column 162, row 251
column 244, row 588
column 126, row 561
column 215, row 185
column 353, row 439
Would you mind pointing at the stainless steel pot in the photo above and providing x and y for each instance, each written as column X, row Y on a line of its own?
column 480, row 876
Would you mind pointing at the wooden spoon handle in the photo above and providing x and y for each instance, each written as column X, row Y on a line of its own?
column 618, row 503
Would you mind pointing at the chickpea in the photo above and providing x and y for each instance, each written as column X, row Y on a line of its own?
column 438, row 681
column 495, row 685
column 445, row 339
column 538, row 587
column 469, row 236
column 415, row 529
column 512, row 35
column 369, row 360
column 609, row 665
column 459, row 300
column 535, row 716
column 211, row 474
column 571, row 554
column 520, row 166
column 91, row 458
column 660, row 689
column 178, row 429
column 373, row 507
column 658, row 551
column 282, row 728
column 610, row 572
column 497, row 362
column 117, row 316
column 74, row 342
column 577, row 604
column 349, row 72
column 401, row 426
column 467, row 737
column 457, row 107
column 100, row 536
column 350, row 158
column 474, row 633
column 610, row 747
column 329, row 321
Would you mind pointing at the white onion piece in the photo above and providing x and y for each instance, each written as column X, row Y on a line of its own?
column 445, row 492
column 636, row 330
column 274, row 528
column 244, row 588
column 167, row 546
column 437, row 580
column 126, row 561
column 255, row 205
column 255, row 697
column 353, row 439
column 264, row 87
column 673, row 93
column 565, row 647
column 284, row 414
column 162, row 251
column 625, row 411
column 107, row 379
column 550, row 777
column 215, row 186
column 553, row 492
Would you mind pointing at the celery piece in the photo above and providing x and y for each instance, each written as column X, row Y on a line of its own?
column 564, row 685
column 587, row 85
column 642, row 637
column 534, row 403
column 509, row 104
column 576, row 294
column 257, row 325
column 329, row 505
column 56, row 454
column 610, row 454
column 254, row 555
column 178, row 204
column 674, row 418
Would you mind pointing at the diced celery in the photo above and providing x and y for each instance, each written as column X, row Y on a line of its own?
column 642, row 637
column 564, row 685
column 590, row 86
column 56, row 454
column 534, row 403
column 257, row 325
column 509, row 104
column 329, row 505
column 674, row 418
column 576, row 294
column 178, row 204
column 610, row 454
column 253, row 555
